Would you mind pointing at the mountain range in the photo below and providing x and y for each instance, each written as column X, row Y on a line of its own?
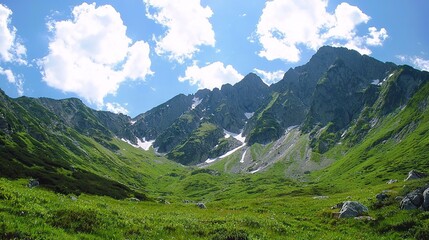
column 269, row 161
column 336, row 98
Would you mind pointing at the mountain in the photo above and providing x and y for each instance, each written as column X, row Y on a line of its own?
column 343, row 124
column 71, row 148
column 175, row 124
column 336, row 98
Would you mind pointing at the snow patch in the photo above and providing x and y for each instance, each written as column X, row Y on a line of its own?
column 249, row 115
column 210, row 160
column 375, row 82
column 231, row 152
column 290, row 129
column 238, row 136
column 385, row 79
column 145, row 144
column 257, row 170
column 242, row 156
column 132, row 122
column 129, row 142
column 195, row 102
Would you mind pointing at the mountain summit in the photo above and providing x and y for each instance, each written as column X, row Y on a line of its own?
column 324, row 98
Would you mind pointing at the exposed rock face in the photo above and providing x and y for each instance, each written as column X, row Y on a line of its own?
column 413, row 174
column 391, row 181
column 425, row 204
column 413, row 200
column 352, row 209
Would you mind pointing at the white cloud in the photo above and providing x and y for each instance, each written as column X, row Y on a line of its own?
column 211, row 76
column 91, row 55
column 376, row 38
column 270, row 77
column 187, row 24
column 403, row 58
column 16, row 80
column 9, row 75
column 11, row 50
column 116, row 108
column 285, row 26
column 421, row 63
column 417, row 62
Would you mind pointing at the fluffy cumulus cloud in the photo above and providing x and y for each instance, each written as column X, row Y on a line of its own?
column 11, row 49
column 91, row 55
column 421, row 63
column 116, row 108
column 16, row 80
column 417, row 62
column 285, row 26
column 269, row 77
column 187, row 27
column 211, row 76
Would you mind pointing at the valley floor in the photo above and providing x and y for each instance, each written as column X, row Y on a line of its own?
column 238, row 209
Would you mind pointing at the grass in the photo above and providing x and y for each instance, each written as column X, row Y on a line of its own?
column 243, row 207
column 266, row 205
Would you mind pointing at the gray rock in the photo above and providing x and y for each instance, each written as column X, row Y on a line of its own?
column 73, row 198
column 338, row 206
column 382, row 196
column 365, row 218
column 33, row 183
column 133, row 199
column 201, row 205
column 320, row 197
column 406, row 204
column 425, row 204
column 391, row 181
column 163, row 201
column 413, row 174
column 412, row 200
column 352, row 209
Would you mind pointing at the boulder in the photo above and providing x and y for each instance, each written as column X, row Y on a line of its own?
column 425, row 204
column 201, row 205
column 381, row 196
column 413, row 174
column 352, row 209
column 412, row 200
column 33, row 183
column 391, row 181
column 406, row 204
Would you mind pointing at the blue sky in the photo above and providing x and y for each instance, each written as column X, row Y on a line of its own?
column 130, row 56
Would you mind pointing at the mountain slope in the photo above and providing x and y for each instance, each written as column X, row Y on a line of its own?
column 66, row 147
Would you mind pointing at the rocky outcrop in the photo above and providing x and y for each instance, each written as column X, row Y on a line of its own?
column 413, row 174
column 425, row 204
column 352, row 209
column 412, row 200
column 201, row 205
column 33, row 183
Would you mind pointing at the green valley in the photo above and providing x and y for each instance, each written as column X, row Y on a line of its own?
column 281, row 162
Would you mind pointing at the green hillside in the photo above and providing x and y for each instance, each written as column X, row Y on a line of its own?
column 323, row 135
